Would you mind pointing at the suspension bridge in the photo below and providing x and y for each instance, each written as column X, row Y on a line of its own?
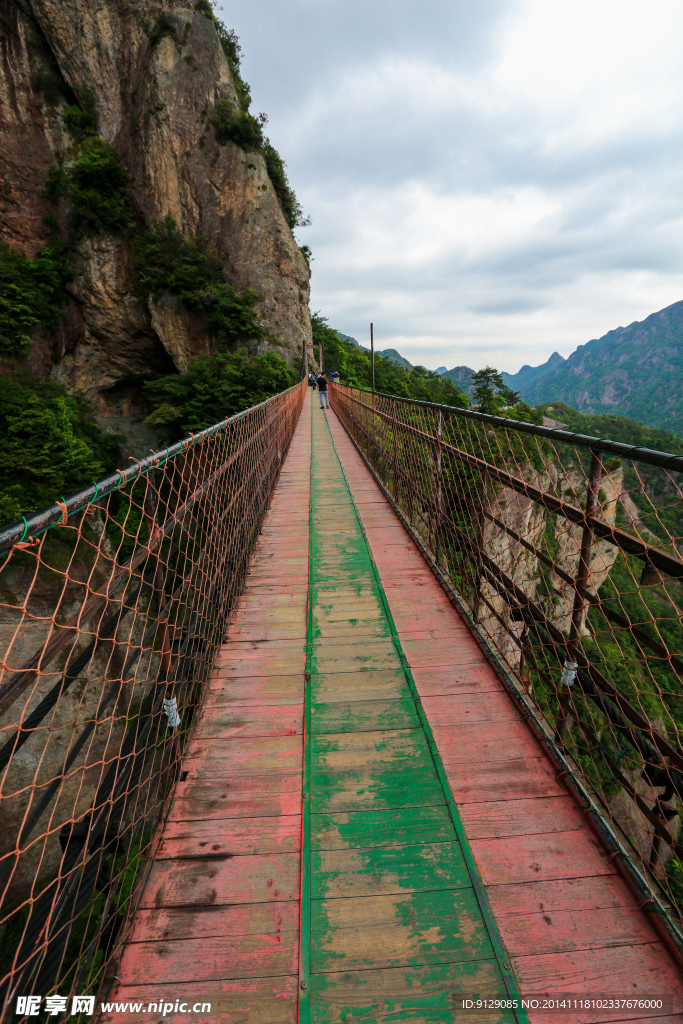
column 343, row 760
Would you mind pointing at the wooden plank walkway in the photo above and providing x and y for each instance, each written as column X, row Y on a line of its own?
column 394, row 884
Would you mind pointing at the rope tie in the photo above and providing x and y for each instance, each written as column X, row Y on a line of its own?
column 170, row 708
column 61, row 505
column 139, row 465
column 122, row 480
column 569, row 673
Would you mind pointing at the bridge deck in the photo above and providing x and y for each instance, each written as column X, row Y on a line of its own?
column 438, row 845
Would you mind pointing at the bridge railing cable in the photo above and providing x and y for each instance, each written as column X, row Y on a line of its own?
column 565, row 553
column 113, row 603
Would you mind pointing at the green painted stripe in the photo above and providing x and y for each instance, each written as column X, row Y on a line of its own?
column 305, row 905
column 479, row 889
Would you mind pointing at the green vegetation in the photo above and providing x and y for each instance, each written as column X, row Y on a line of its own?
column 49, row 443
column 96, row 185
column 163, row 26
column 165, row 261
column 215, row 388
column 237, row 126
column 491, row 393
column 354, row 367
column 31, row 294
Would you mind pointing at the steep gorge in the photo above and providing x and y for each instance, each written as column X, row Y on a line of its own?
column 149, row 74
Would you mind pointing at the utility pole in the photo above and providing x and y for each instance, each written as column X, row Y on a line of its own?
column 372, row 357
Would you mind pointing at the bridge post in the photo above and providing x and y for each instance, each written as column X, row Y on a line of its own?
column 439, row 487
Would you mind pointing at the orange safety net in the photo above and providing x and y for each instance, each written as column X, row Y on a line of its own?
column 565, row 553
column 113, row 604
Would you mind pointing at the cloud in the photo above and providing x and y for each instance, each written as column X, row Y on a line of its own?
column 488, row 182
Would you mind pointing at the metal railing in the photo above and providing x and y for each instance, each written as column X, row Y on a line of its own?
column 565, row 552
column 113, row 604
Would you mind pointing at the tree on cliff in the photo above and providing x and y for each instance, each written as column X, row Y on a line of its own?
column 491, row 393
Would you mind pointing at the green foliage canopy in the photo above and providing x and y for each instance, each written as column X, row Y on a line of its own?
column 166, row 261
column 49, row 444
column 31, row 294
column 491, row 393
column 215, row 388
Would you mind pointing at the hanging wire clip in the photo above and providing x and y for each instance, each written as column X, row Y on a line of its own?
column 569, row 673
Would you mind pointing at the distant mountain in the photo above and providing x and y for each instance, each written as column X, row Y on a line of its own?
column 441, row 369
column 462, row 376
column 387, row 353
column 395, row 357
column 634, row 371
column 346, row 337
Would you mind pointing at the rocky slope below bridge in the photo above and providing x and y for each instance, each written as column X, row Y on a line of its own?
column 149, row 74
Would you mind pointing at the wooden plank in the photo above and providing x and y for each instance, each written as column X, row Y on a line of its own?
column 236, row 836
column 390, row 749
column 540, row 857
column 512, row 779
column 567, row 930
column 413, row 929
column 521, row 817
column 487, row 743
column 334, row 792
column 255, row 691
column 383, row 870
column 471, row 678
column 203, row 883
column 469, row 709
column 208, row 758
column 253, row 796
column 351, row 657
column 397, row 826
column 161, row 924
column 372, row 684
column 256, row 1000
column 640, row 971
column 420, row 994
column 605, row 892
column 268, row 720
column 364, row 716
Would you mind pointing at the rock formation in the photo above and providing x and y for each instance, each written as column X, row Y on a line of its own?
column 151, row 95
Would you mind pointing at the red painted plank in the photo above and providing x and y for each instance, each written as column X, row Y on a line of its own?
column 489, row 741
column 474, row 678
column 255, row 691
column 513, row 779
column 211, row 759
column 469, row 709
column 622, row 971
column 606, row 892
column 236, row 836
column 256, row 1000
column 521, row 817
column 269, row 720
column 238, row 796
column 540, row 857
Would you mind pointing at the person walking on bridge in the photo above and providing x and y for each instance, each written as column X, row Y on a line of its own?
column 322, row 388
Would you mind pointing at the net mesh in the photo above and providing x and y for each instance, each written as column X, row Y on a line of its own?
column 113, row 604
column 567, row 555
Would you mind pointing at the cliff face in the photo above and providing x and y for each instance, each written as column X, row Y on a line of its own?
column 152, row 99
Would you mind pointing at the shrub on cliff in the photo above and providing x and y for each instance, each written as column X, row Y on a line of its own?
column 49, row 444
column 165, row 261
column 215, row 388
column 31, row 294
column 237, row 126
column 96, row 185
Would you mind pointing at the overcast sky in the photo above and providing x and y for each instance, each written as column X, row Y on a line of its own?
column 489, row 180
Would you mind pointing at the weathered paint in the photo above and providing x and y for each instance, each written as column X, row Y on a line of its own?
column 396, row 923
